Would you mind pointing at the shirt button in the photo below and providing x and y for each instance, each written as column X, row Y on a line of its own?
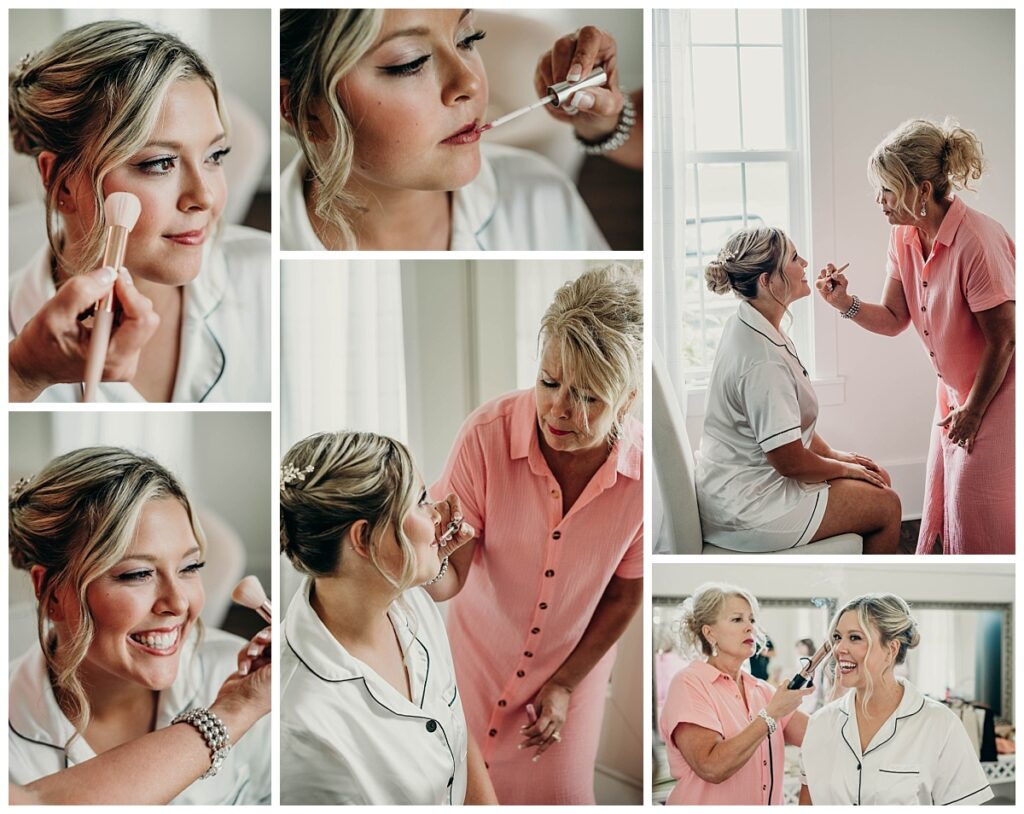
column 924, row 283
column 543, row 606
column 923, row 308
column 556, row 535
column 534, row 630
column 528, row 654
column 503, row 703
column 926, row 333
column 931, row 353
column 431, row 726
column 520, row 673
column 549, row 573
column 764, row 762
column 554, row 494
column 493, row 732
column 764, row 788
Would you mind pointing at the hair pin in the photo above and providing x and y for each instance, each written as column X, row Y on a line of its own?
column 292, row 474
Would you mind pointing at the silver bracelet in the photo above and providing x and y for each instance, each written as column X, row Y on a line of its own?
column 853, row 309
column 618, row 137
column 440, row 574
column 214, row 733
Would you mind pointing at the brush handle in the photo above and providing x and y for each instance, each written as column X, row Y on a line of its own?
column 265, row 611
column 97, row 355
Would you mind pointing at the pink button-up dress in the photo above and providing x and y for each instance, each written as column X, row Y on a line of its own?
column 536, row 579
column 707, row 697
column 969, row 496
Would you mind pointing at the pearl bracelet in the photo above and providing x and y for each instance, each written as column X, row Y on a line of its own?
column 853, row 309
column 769, row 720
column 214, row 733
column 440, row 574
column 619, row 136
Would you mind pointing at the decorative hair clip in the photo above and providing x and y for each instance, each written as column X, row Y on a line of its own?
column 19, row 487
column 23, row 63
column 726, row 257
column 291, row 474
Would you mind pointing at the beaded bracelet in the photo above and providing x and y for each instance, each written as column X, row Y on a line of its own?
column 440, row 574
column 214, row 733
column 853, row 309
column 618, row 137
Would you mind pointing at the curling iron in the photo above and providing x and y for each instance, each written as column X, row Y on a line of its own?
column 806, row 675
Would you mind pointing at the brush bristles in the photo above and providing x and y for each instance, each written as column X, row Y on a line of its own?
column 122, row 209
column 249, row 593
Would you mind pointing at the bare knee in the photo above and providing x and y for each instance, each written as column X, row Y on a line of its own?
column 893, row 507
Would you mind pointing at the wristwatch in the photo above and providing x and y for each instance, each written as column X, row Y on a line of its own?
column 768, row 719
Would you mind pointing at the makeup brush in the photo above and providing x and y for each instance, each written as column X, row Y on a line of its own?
column 122, row 210
column 250, row 594
column 557, row 96
column 832, row 277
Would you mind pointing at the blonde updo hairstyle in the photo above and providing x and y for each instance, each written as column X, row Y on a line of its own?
column 745, row 256
column 919, row 150
column 704, row 608
column 597, row 323
column 351, row 476
column 92, row 99
column 77, row 519
column 886, row 615
column 318, row 48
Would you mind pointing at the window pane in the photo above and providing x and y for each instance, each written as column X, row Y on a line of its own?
column 715, row 26
column 761, row 26
column 768, row 195
column 764, row 109
column 721, row 204
column 716, row 107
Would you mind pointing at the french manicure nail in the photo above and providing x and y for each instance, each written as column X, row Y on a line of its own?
column 263, row 634
column 575, row 72
column 105, row 275
column 126, row 277
column 583, row 100
column 244, row 669
column 254, row 650
column 535, row 758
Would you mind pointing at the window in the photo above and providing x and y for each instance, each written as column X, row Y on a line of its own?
column 744, row 113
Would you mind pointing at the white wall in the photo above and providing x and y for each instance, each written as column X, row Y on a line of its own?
column 868, row 71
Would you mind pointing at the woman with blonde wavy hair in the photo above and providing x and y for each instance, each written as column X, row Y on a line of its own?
column 370, row 710
column 766, row 480
column 116, row 106
column 386, row 107
column 951, row 272
column 719, row 723
column 883, row 742
column 114, row 550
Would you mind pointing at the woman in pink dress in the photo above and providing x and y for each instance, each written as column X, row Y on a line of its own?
column 552, row 479
column 951, row 273
column 725, row 731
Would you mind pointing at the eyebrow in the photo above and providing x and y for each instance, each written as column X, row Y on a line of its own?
column 177, row 145
column 151, row 558
column 418, row 31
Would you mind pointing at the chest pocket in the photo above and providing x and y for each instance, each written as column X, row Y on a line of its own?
column 900, row 784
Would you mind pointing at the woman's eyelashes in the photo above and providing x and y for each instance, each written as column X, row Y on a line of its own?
column 165, row 164
column 144, row 574
column 551, row 384
column 467, row 43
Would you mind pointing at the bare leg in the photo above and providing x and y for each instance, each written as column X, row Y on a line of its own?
column 860, row 507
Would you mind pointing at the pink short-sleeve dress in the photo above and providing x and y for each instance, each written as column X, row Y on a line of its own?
column 536, row 579
column 709, row 698
column 969, row 496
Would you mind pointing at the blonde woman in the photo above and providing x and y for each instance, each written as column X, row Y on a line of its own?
column 552, row 480
column 951, row 272
column 118, row 107
column 385, row 106
column 114, row 551
column 370, row 710
column 726, row 731
column 883, row 742
column 766, row 480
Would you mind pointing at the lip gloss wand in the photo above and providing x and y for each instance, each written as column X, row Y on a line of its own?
column 557, row 96
column 122, row 210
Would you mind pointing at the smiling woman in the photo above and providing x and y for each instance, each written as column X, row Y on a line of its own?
column 386, row 107
column 114, row 550
column 118, row 107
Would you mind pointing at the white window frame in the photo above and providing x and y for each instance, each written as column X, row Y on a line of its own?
column 816, row 334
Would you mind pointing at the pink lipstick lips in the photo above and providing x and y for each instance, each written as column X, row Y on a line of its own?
column 557, row 432
column 194, row 238
column 469, row 134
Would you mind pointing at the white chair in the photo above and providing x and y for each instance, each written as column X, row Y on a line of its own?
column 679, row 530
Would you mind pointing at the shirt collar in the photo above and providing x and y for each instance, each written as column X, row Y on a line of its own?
column 911, row 703
column 756, row 321
column 473, row 208
column 947, row 229
column 709, row 675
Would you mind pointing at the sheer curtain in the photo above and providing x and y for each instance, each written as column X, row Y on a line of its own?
column 342, row 357
column 536, row 282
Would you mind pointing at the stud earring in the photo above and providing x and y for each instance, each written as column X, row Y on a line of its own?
column 924, row 209
column 714, row 650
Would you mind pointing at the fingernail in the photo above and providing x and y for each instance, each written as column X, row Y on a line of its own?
column 520, row 746
column 583, row 100
column 263, row 634
column 105, row 275
column 569, row 110
column 244, row 669
column 575, row 72
column 535, row 758
column 254, row 650
column 126, row 277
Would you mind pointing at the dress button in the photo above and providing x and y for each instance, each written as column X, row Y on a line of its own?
column 528, row 654
column 923, row 308
column 493, row 732
column 431, row 726
column 556, row 535
column 924, row 284
column 503, row 703
column 534, row 630
column 543, row 606
column 549, row 573
column 520, row 673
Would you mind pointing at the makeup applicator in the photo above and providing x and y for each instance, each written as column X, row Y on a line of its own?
column 558, row 95
column 250, row 594
column 122, row 210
